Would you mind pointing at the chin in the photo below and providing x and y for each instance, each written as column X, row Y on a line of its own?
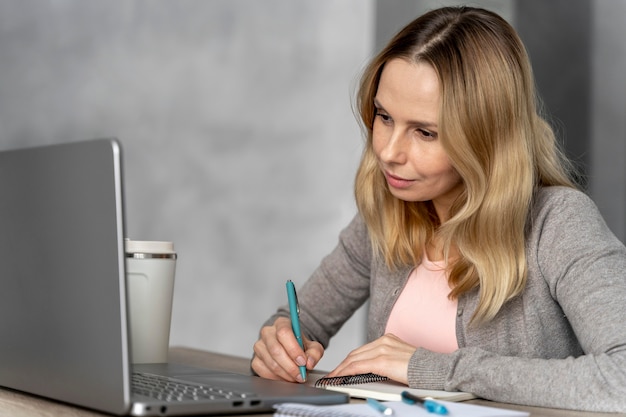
column 406, row 196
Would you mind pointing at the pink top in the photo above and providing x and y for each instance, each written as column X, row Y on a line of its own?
column 423, row 315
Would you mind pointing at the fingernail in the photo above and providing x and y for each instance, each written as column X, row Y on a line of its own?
column 300, row 361
column 299, row 378
column 310, row 363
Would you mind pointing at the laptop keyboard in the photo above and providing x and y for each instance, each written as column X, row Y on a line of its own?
column 170, row 389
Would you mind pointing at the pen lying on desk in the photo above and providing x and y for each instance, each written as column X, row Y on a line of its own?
column 380, row 407
column 430, row 405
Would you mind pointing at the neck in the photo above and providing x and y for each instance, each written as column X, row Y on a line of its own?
column 435, row 251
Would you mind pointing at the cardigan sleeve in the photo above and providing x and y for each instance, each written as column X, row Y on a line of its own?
column 583, row 266
column 337, row 288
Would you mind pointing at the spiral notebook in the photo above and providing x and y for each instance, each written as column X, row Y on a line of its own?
column 383, row 389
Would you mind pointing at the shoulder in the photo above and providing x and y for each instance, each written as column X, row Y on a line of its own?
column 558, row 196
column 356, row 231
column 569, row 247
column 563, row 205
column 354, row 243
column 565, row 220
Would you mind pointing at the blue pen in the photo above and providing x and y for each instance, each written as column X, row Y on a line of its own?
column 378, row 406
column 294, row 311
column 430, row 405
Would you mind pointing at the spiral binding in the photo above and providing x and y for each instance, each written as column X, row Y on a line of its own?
column 349, row 380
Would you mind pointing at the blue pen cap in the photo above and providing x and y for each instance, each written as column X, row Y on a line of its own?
column 435, row 408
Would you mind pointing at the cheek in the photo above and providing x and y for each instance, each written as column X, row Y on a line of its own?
column 452, row 176
column 438, row 165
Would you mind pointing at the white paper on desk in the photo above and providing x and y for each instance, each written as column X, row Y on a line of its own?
column 400, row 409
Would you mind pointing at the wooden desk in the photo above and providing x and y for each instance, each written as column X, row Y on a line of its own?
column 16, row 404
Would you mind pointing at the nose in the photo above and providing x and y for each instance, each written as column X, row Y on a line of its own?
column 393, row 147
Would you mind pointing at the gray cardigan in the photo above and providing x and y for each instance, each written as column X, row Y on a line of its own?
column 561, row 343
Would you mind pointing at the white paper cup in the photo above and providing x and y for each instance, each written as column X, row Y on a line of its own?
column 150, row 270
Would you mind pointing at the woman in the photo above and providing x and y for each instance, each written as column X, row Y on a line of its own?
column 486, row 270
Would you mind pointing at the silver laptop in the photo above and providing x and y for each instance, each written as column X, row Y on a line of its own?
column 63, row 329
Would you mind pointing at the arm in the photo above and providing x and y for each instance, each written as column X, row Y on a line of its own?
column 338, row 287
column 333, row 293
column 582, row 267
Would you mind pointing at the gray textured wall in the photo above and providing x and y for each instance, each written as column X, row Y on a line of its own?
column 240, row 143
column 607, row 182
column 236, row 121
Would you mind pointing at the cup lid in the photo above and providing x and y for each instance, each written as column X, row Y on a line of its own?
column 148, row 246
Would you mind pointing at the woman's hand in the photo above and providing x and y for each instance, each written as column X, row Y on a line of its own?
column 277, row 354
column 387, row 356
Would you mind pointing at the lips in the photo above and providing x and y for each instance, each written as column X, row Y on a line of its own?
column 398, row 182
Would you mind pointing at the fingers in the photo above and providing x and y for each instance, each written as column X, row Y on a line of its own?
column 277, row 354
column 271, row 359
column 266, row 366
column 360, row 361
column 288, row 342
column 314, row 352
column 388, row 356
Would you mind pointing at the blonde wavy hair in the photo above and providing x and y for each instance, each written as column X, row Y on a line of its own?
column 495, row 137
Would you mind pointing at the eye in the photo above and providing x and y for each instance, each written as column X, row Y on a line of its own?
column 426, row 134
column 384, row 117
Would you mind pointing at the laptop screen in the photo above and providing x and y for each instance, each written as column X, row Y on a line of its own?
column 62, row 314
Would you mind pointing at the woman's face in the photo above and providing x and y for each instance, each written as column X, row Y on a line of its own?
column 406, row 140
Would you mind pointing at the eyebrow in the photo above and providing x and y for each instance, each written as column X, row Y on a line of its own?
column 417, row 123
